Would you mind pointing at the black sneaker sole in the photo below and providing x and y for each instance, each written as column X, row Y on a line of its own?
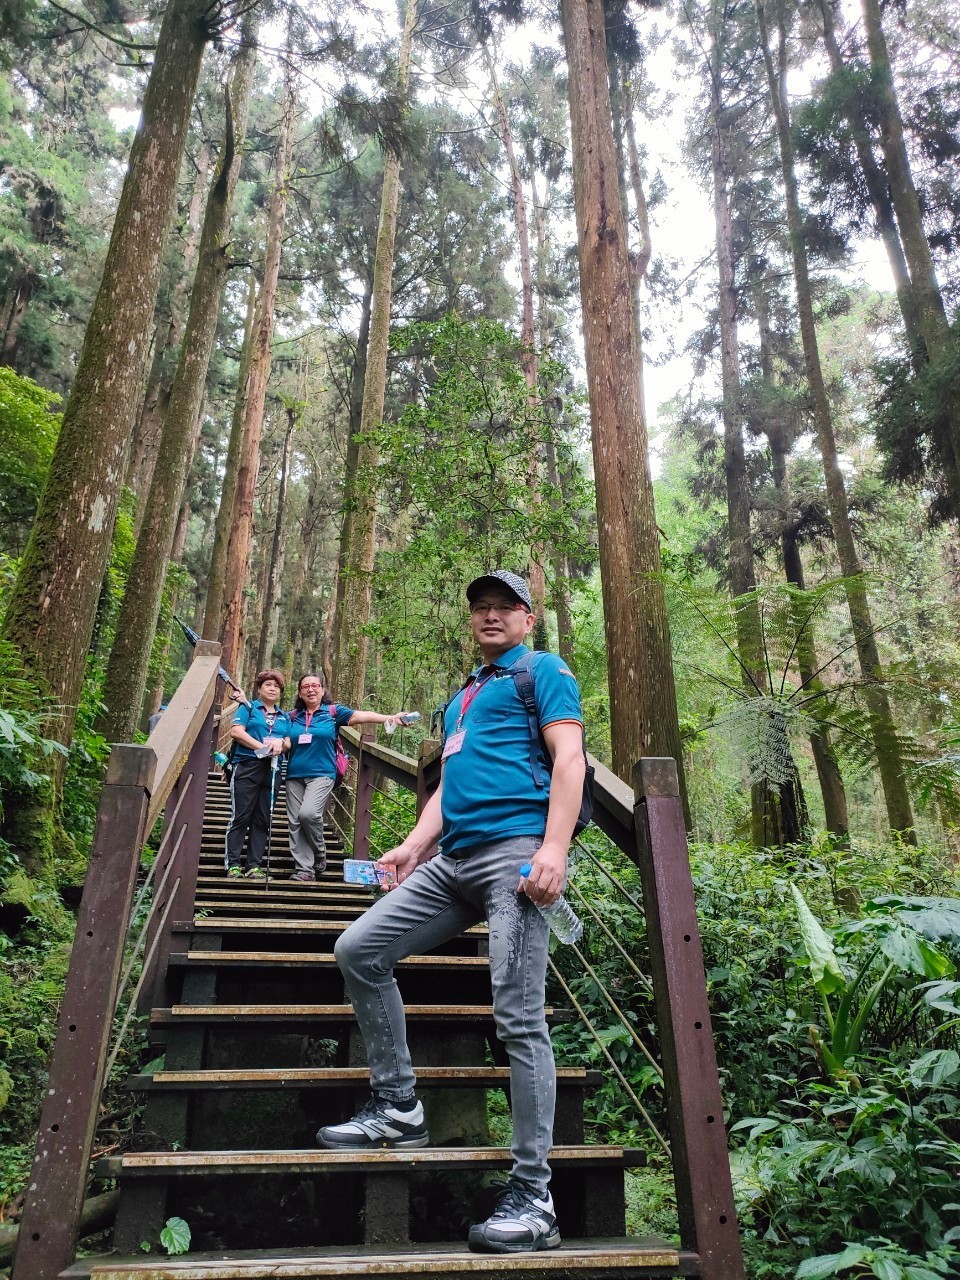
column 477, row 1242
column 382, row 1144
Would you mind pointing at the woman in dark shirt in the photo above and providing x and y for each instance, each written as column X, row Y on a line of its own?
column 312, row 769
column 258, row 733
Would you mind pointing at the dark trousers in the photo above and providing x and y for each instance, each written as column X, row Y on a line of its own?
column 250, row 794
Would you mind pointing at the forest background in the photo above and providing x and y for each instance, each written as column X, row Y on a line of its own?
column 308, row 316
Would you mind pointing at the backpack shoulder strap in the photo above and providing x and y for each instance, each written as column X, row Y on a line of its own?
column 524, row 676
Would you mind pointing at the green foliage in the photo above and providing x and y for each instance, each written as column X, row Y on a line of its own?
column 28, row 433
column 455, row 475
column 890, row 938
column 175, row 1236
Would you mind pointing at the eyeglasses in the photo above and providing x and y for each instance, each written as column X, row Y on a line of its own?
column 482, row 606
column 309, row 688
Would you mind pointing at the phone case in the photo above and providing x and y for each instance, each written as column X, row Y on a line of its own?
column 363, row 871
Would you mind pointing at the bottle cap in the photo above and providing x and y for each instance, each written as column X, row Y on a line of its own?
column 526, row 868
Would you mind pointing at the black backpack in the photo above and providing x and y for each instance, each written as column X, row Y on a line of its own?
column 524, row 675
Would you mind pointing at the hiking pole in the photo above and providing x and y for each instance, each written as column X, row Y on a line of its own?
column 274, row 769
column 221, row 671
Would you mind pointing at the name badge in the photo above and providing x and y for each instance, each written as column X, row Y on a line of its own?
column 453, row 744
column 305, row 739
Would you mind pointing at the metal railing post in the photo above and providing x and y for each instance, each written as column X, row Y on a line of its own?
column 68, row 1119
column 363, row 813
column 708, row 1220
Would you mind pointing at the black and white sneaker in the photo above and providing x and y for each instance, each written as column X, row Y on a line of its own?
column 523, row 1222
column 378, row 1124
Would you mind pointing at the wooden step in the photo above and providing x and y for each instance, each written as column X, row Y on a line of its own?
column 212, row 1015
column 268, row 907
column 234, row 924
column 152, row 1164
column 308, row 960
column 285, row 891
column 338, row 1077
column 586, row 1259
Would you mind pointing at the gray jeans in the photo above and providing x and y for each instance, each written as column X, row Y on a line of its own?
column 306, row 800
column 441, row 899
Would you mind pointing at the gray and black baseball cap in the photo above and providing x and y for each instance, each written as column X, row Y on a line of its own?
column 502, row 578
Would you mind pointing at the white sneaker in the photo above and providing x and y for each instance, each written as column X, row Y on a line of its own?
column 523, row 1222
column 378, row 1124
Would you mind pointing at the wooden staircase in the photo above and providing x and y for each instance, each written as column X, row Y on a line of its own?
column 260, row 1048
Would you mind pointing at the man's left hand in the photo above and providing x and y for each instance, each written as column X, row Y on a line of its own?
column 544, row 885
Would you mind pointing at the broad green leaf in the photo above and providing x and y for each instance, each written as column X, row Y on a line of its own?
column 935, row 1067
column 912, row 954
column 824, row 966
column 818, row 1268
column 933, row 917
column 175, row 1236
column 887, row 1269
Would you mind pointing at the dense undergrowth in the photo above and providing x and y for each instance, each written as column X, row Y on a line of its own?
column 846, row 1152
column 844, row 1163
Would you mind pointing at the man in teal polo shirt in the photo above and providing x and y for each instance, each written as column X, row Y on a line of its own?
column 490, row 816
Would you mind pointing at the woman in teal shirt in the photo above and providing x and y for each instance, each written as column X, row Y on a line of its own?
column 312, row 769
column 258, row 733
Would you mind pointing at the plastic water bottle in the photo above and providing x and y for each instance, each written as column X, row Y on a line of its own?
column 561, row 917
column 221, row 758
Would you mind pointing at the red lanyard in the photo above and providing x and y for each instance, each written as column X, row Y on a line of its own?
column 307, row 717
column 470, row 693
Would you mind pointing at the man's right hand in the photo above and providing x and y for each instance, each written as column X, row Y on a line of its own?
column 398, row 865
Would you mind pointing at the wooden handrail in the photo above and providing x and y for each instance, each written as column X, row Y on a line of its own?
column 139, row 781
column 174, row 736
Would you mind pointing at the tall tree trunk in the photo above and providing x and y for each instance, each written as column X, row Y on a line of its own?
column 889, row 760
column 358, row 566
column 154, row 695
column 238, row 546
column 879, row 192
column 213, row 604
column 775, row 811
column 271, row 596
column 146, row 445
column 931, row 314
column 126, row 673
column 808, row 664
column 528, row 338
column 52, row 609
column 741, row 572
column 560, row 586
column 297, row 612
column 643, row 703
column 20, row 300
column 358, row 376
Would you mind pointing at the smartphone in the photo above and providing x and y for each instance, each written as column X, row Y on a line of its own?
column 365, row 871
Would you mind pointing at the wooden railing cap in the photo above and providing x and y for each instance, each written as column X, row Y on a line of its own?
column 655, row 776
column 131, row 766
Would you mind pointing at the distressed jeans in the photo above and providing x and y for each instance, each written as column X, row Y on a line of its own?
column 441, row 899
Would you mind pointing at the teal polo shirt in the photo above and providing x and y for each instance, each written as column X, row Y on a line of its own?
column 316, row 759
column 254, row 721
column 488, row 787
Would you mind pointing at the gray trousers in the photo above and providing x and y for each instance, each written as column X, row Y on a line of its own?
column 306, row 800
column 441, row 899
